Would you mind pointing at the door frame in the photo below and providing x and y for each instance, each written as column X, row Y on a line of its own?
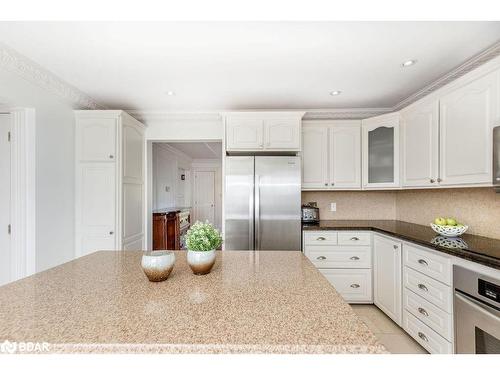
column 23, row 191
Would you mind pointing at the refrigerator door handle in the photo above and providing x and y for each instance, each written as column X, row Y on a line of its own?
column 257, row 212
column 250, row 215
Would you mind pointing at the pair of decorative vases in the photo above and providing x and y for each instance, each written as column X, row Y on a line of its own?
column 157, row 265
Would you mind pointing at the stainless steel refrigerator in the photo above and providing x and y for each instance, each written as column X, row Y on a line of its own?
column 262, row 203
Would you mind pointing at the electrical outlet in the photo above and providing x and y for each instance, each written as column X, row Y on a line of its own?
column 333, row 207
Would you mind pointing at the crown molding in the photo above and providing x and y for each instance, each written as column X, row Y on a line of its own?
column 345, row 113
column 466, row 67
column 161, row 115
column 34, row 73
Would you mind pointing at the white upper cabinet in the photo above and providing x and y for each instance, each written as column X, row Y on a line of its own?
column 467, row 117
column 282, row 134
column 420, row 145
column 387, row 276
column 315, row 157
column 96, row 139
column 345, row 156
column 331, row 155
column 245, row 134
column 381, row 151
column 263, row 131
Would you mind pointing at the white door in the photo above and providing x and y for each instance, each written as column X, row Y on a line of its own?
column 204, row 196
column 244, row 134
column 282, row 134
column 5, row 195
column 96, row 139
column 345, row 157
column 315, row 157
column 381, row 151
column 96, row 208
column 387, row 277
column 467, row 116
column 420, row 144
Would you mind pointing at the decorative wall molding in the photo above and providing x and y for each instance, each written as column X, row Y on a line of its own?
column 345, row 113
column 161, row 115
column 468, row 66
column 34, row 73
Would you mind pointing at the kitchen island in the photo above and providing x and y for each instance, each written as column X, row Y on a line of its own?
column 251, row 302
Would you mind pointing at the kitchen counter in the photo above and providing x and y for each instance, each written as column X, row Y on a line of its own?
column 251, row 302
column 170, row 209
column 477, row 249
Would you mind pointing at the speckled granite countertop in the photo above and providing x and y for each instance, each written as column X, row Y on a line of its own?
column 477, row 249
column 251, row 302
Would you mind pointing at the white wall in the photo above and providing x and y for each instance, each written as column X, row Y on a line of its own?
column 188, row 129
column 54, row 167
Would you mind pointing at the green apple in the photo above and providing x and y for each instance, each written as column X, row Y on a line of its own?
column 450, row 221
column 440, row 221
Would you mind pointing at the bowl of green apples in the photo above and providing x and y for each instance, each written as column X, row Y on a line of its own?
column 448, row 227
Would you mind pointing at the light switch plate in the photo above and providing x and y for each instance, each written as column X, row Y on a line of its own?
column 333, row 206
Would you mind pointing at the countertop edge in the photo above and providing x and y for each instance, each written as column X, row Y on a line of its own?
column 215, row 349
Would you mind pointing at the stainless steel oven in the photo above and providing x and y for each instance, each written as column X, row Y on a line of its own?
column 476, row 312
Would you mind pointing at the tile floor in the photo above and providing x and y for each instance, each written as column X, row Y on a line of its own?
column 388, row 333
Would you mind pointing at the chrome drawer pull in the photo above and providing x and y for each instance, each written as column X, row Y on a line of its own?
column 423, row 287
column 354, row 258
column 354, row 239
column 320, row 239
column 423, row 262
column 355, row 286
column 321, row 257
column 423, row 337
column 423, row 312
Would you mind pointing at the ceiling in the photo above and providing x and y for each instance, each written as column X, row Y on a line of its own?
column 234, row 66
column 199, row 150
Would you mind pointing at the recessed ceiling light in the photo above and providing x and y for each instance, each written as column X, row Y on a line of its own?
column 335, row 93
column 408, row 63
column 170, row 93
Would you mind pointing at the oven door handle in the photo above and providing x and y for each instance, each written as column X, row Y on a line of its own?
column 478, row 305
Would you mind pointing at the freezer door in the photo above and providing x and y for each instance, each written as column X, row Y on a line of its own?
column 277, row 203
column 239, row 203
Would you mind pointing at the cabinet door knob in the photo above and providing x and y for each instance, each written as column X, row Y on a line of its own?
column 423, row 262
column 354, row 239
column 395, row 247
column 423, row 287
column 111, row 156
column 332, row 184
column 422, row 336
column 321, row 257
column 326, row 183
column 439, row 180
column 320, row 239
column 354, row 258
column 422, row 311
column 432, row 180
column 355, row 286
column 111, row 232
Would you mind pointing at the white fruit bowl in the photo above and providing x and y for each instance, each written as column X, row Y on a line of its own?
column 449, row 230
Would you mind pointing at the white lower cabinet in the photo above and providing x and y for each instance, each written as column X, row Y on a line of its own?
column 425, row 336
column 345, row 259
column 354, row 285
column 387, row 276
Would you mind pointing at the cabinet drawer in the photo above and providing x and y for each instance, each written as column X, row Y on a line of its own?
column 354, row 238
column 320, row 238
column 433, row 291
column 435, row 266
column 354, row 285
column 429, row 314
column 339, row 256
column 430, row 340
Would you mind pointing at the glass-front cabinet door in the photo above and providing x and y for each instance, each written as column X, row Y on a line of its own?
column 381, row 151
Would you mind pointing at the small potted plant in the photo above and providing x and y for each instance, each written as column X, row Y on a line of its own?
column 202, row 239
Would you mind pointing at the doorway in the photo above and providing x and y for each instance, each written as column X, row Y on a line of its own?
column 204, row 196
